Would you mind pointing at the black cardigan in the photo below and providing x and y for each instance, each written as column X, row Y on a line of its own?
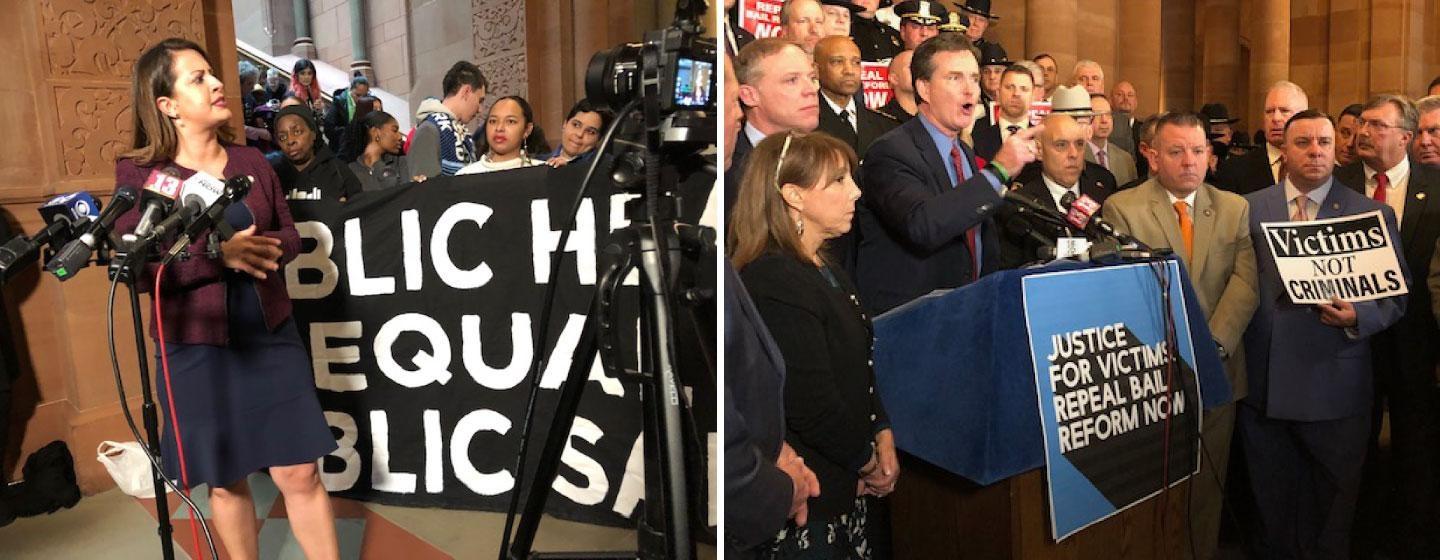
column 832, row 412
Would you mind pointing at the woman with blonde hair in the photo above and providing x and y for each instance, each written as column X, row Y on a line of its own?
column 796, row 193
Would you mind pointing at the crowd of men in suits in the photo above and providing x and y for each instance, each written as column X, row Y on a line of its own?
column 1312, row 383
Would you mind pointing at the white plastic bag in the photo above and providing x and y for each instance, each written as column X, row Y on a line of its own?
column 127, row 464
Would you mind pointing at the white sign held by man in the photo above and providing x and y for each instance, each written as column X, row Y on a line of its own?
column 1351, row 257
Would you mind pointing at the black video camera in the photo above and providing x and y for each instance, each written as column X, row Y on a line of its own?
column 672, row 74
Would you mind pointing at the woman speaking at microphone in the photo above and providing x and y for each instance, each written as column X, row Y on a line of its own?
column 796, row 194
column 240, row 389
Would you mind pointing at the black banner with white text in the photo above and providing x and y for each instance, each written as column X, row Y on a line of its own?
column 419, row 305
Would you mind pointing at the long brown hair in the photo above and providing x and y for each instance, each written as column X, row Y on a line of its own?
column 760, row 221
column 155, row 138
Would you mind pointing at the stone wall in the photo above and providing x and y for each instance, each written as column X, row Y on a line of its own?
column 68, row 103
column 1183, row 53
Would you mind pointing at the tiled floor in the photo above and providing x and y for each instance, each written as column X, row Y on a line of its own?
column 114, row 526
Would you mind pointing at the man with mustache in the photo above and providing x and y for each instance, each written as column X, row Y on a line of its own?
column 1210, row 231
column 1265, row 166
column 1405, row 355
column 1305, row 419
column 927, row 218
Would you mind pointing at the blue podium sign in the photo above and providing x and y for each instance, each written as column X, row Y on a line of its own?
column 1120, row 417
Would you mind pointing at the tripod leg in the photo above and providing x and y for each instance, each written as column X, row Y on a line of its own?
column 665, row 531
column 549, row 461
column 152, row 429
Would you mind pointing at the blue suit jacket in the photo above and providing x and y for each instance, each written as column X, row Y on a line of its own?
column 757, row 493
column 1301, row 369
column 913, row 220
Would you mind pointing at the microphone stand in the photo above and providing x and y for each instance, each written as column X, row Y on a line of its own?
column 125, row 267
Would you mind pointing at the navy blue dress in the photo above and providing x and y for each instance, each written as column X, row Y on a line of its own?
column 246, row 406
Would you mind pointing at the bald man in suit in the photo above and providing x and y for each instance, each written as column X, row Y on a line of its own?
column 1210, row 230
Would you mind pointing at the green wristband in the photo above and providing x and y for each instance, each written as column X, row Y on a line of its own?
column 1000, row 169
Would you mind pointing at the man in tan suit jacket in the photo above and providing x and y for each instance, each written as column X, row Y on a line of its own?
column 1209, row 229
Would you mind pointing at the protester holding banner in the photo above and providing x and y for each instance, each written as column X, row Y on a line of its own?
column 441, row 143
column 309, row 170
column 798, row 193
column 1405, row 354
column 930, row 201
column 1305, row 421
column 231, row 359
column 1210, row 230
column 380, row 165
column 507, row 129
column 583, row 126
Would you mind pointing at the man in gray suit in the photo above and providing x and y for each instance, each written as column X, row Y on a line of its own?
column 1306, row 419
column 1100, row 149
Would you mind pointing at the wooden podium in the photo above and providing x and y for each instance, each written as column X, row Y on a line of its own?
column 936, row 514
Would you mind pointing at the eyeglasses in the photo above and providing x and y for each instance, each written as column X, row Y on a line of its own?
column 1374, row 125
column 783, row 150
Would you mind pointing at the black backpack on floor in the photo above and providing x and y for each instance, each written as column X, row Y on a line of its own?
column 49, row 482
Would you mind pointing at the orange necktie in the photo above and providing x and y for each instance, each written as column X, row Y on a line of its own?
column 1187, row 228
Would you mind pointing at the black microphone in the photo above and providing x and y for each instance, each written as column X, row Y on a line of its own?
column 1068, row 199
column 234, row 190
column 198, row 194
column 63, row 214
column 75, row 255
column 1027, row 205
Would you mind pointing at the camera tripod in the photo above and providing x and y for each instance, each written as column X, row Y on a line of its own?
column 665, row 523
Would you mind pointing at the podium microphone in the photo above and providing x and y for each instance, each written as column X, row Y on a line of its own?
column 63, row 215
column 1029, row 206
column 198, row 193
column 76, row 254
column 1085, row 215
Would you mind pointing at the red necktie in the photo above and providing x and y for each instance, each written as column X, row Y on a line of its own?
column 1382, row 182
column 972, row 235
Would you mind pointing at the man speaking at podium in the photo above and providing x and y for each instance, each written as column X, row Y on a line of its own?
column 927, row 222
column 1210, row 230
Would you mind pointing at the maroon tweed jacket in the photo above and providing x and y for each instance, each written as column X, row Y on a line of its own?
column 193, row 290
